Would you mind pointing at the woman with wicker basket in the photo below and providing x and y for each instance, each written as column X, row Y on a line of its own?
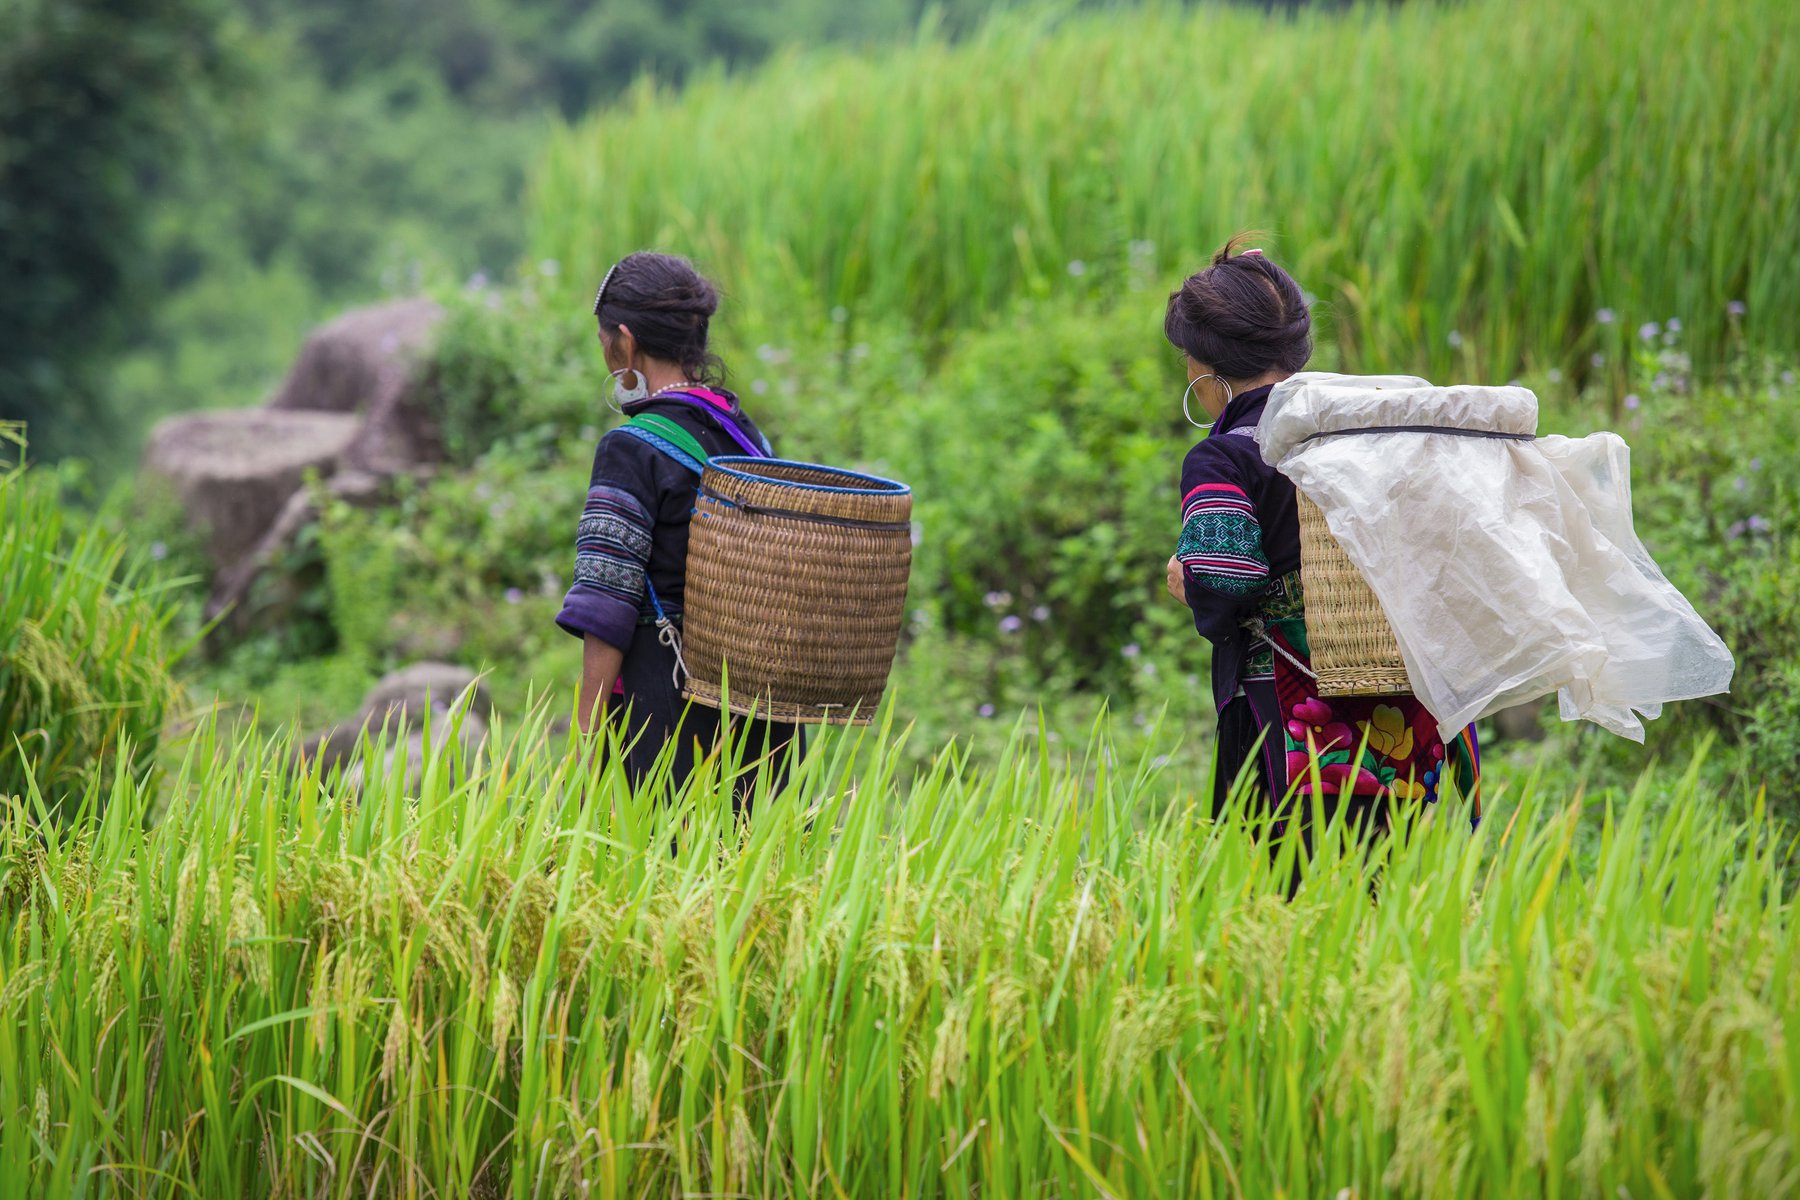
column 653, row 312
column 1244, row 325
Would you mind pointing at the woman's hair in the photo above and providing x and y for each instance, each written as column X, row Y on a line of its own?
column 1243, row 316
column 668, row 306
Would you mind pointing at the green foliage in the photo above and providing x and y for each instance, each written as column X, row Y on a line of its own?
column 506, row 973
column 505, row 362
column 1717, row 494
column 85, row 682
column 1045, row 472
column 94, row 98
column 1494, row 170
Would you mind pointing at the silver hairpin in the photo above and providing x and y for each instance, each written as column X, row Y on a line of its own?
column 600, row 296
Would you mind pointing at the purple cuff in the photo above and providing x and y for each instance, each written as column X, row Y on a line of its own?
column 588, row 611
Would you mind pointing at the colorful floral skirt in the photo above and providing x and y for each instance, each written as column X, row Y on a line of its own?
column 1372, row 748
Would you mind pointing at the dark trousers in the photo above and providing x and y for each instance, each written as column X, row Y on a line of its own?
column 657, row 712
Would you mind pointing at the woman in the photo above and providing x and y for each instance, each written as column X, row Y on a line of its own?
column 653, row 312
column 1244, row 326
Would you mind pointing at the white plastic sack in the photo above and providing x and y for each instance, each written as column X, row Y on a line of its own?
column 1508, row 569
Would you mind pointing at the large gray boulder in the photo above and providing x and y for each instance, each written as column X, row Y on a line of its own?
column 368, row 361
column 357, row 404
column 234, row 470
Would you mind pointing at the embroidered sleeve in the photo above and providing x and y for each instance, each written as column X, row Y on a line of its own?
column 612, row 550
column 1221, row 547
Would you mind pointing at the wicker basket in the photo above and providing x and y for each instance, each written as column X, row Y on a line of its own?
column 796, row 589
column 1353, row 646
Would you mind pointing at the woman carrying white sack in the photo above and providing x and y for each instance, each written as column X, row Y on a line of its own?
column 1505, row 563
column 1244, row 326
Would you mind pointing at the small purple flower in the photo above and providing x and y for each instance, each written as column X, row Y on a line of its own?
column 1011, row 624
column 1758, row 524
column 1673, row 325
column 1735, row 308
column 1455, row 340
column 158, row 551
column 1734, row 531
column 1787, row 377
column 514, row 595
column 1756, row 464
column 1632, row 401
column 1606, row 316
column 1648, row 330
column 986, row 710
column 997, row 600
column 1597, row 360
column 1741, row 484
column 1555, row 375
column 1132, row 650
column 1041, row 613
column 1077, row 268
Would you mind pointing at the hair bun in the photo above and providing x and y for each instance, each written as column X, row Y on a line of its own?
column 668, row 305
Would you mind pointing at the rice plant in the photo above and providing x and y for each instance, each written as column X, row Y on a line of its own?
column 503, row 973
column 1471, row 188
column 84, row 654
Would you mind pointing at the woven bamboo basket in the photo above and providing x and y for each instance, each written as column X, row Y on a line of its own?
column 796, row 589
column 1353, row 646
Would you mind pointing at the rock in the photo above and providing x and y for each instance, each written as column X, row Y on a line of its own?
column 1520, row 723
column 472, row 732
column 347, row 362
column 234, row 470
column 399, row 701
column 231, row 585
column 368, row 361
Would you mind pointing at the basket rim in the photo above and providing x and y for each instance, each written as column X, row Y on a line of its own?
column 729, row 464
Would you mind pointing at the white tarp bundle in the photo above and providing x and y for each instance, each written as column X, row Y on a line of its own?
column 1508, row 568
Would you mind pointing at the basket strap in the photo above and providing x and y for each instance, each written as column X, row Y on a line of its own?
column 715, row 407
column 1256, row 629
column 669, row 431
column 668, row 634
column 1452, row 430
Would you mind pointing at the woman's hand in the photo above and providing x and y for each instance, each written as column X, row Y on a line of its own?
column 1177, row 580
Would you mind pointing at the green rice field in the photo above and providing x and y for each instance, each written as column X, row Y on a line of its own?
column 997, row 944
column 1500, row 171
column 511, row 976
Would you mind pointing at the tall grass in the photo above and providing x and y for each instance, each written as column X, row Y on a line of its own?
column 1498, row 170
column 505, row 974
column 84, row 654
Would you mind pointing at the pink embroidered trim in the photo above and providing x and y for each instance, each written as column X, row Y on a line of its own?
column 1214, row 487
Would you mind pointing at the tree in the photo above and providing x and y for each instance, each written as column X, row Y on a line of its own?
column 94, row 98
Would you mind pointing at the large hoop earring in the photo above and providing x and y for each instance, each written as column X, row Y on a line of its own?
column 622, row 395
column 1223, row 382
